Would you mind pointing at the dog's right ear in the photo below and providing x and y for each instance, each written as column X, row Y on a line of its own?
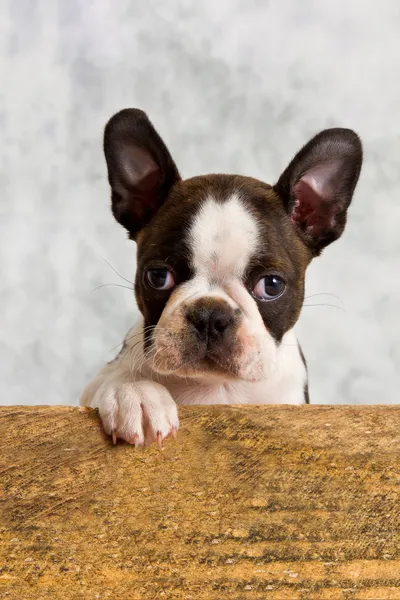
column 141, row 171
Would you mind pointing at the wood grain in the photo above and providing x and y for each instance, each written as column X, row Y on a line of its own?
column 250, row 502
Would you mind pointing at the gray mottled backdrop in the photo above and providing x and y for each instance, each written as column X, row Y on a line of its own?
column 232, row 86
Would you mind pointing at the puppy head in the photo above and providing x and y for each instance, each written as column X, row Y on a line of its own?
column 222, row 258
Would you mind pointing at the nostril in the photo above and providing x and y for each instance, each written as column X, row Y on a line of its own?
column 199, row 320
column 219, row 322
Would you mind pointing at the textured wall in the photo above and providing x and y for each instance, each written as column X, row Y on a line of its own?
column 231, row 86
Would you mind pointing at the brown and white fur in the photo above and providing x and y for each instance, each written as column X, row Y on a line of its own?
column 221, row 262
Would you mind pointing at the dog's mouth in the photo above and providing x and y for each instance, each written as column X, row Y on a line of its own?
column 211, row 362
column 204, row 360
column 229, row 361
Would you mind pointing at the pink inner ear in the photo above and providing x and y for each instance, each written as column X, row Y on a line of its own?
column 140, row 170
column 313, row 209
column 141, row 178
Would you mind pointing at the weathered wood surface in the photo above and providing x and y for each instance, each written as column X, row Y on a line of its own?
column 260, row 502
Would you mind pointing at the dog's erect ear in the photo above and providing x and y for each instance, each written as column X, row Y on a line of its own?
column 318, row 185
column 141, row 171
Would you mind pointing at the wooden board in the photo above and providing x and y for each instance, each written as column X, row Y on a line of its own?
column 250, row 502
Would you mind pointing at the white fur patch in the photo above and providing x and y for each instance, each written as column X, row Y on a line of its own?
column 223, row 237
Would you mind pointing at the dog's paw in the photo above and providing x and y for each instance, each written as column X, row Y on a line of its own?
column 140, row 412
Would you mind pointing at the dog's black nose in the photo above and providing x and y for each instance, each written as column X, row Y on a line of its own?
column 210, row 322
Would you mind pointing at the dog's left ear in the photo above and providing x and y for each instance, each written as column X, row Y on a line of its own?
column 141, row 171
column 318, row 185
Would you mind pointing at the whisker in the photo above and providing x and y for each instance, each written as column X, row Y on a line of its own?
column 324, row 304
column 112, row 285
column 115, row 271
column 141, row 362
column 130, row 349
column 154, row 363
column 141, row 333
column 325, row 294
column 134, row 354
column 137, row 334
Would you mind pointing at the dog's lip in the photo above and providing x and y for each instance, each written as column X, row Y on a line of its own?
column 212, row 361
column 206, row 368
column 205, row 363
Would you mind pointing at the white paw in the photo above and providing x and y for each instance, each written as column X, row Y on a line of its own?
column 140, row 413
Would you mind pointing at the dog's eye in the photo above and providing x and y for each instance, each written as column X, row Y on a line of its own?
column 160, row 279
column 269, row 287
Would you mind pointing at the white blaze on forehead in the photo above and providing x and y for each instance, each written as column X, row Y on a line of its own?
column 222, row 238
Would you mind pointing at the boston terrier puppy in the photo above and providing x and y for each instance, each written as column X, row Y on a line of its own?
column 221, row 262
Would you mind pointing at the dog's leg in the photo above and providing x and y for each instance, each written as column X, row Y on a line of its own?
column 131, row 408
